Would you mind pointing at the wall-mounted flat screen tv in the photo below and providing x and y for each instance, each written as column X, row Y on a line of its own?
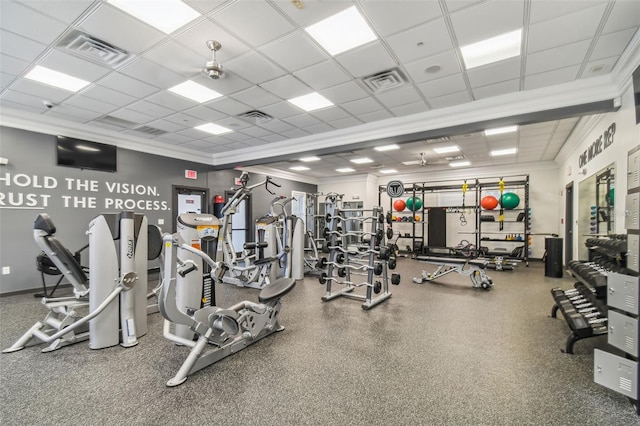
column 636, row 93
column 86, row 154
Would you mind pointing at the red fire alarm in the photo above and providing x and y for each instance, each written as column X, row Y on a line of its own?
column 191, row 174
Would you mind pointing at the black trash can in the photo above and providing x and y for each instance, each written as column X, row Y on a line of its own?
column 553, row 259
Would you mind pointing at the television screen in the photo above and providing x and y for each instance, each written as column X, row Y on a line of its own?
column 636, row 93
column 86, row 155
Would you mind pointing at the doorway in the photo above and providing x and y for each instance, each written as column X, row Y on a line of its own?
column 189, row 199
column 568, row 224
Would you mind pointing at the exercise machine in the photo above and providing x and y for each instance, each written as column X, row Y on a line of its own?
column 473, row 268
column 117, row 295
column 288, row 239
column 249, row 268
column 219, row 332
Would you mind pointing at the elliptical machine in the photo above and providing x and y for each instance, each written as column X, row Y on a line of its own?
column 219, row 332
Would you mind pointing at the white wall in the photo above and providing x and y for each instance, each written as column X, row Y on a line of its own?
column 626, row 137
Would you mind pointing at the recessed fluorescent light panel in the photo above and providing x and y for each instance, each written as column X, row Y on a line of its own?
column 342, row 31
column 56, row 79
column 345, row 170
column 309, row 159
column 499, row 152
column 299, row 168
column 362, row 160
column 460, row 163
column 388, row 171
column 500, row 130
column 213, row 129
column 386, row 147
column 492, row 49
column 411, row 162
column 311, row 102
column 194, row 91
column 446, row 149
column 165, row 15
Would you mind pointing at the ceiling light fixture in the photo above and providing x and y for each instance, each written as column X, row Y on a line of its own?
column 341, row 32
column 499, row 152
column 363, row 160
column 299, row 168
column 194, row 91
column 491, row 50
column 167, row 16
column 388, row 171
column 311, row 102
column 460, row 163
column 56, row 79
column 500, row 130
column 309, row 159
column 386, row 147
column 446, row 149
column 345, row 170
column 213, row 129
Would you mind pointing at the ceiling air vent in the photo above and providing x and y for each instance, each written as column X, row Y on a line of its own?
column 455, row 158
column 149, row 130
column 255, row 117
column 95, row 50
column 386, row 80
column 440, row 139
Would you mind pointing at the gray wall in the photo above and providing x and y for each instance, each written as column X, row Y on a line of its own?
column 33, row 183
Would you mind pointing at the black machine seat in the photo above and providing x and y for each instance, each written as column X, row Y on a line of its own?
column 67, row 259
column 276, row 289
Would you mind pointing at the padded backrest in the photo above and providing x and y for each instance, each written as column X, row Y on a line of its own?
column 64, row 260
column 154, row 242
column 44, row 223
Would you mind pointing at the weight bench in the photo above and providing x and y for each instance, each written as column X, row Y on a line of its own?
column 475, row 269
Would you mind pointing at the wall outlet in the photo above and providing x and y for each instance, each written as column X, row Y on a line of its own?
column 160, row 221
column 6, row 270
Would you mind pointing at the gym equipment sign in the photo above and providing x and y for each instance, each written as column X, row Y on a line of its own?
column 603, row 142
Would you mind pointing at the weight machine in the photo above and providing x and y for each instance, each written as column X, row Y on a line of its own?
column 117, row 296
column 249, row 269
column 219, row 332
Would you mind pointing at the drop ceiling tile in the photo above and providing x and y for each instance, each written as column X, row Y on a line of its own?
column 255, row 68
column 494, row 73
column 371, row 117
column 131, row 115
column 599, row 67
column 442, row 86
column 487, row 20
column 195, row 39
column 150, row 109
column 175, row 57
column 447, row 61
column 497, row 89
column 260, row 22
column 293, row 134
column 345, row 122
column 205, row 113
column 20, row 47
column 233, row 123
column 193, row 133
column 6, row 79
column 453, row 5
column 408, row 109
column 44, row 92
column 562, row 75
column 314, row 10
column 256, row 97
column 205, row 6
column 302, row 120
column 237, row 136
column 228, row 106
column 5, row 103
column 422, row 41
column 72, row 65
column 106, row 126
column 256, row 132
column 198, row 144
column 61, row 10
column 167, row 126
column 542, row 10
column 306, row 54
column 273, row 138
column 129, row 34
column 81, row 101
column 11, row 65
column 228, row 84
column 345, row 92
column 169, row 100
column 319, row 128
column 80, row 114
column 367, row 60
column 25, row 99
column 322, row 75
column 150, row 72
column 612, row 44
column 559, row 57
column 400, row 96
column 330, row 114
column 390, row 17
column 286, row 87
column 26, row 22
column 625, row 14
column 552, row 33
column 281, row 110
column 277, row 126
column 125, row 84
column 174, row 138
column 449, row 100
column 361, row 106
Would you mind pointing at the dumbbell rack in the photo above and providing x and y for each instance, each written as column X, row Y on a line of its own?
column 372, row 259
column 617, row 369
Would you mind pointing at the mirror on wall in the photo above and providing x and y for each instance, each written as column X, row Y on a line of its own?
column 596, row 198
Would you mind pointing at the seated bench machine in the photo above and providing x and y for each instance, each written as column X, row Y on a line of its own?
column 475, row 269
column 117, row 296
column 219, row 332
